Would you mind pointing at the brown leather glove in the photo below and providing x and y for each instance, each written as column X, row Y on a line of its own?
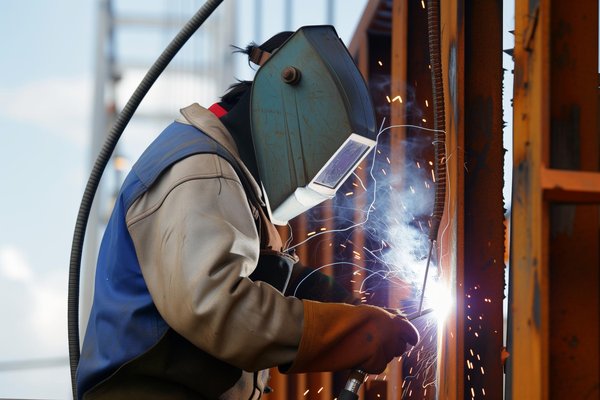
column 339, row 336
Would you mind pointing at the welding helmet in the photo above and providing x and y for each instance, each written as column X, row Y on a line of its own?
column 312, row 120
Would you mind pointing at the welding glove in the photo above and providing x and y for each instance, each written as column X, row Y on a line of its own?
column 339, row 336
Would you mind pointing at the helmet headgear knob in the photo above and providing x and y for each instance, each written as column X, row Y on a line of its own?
column 291, row 75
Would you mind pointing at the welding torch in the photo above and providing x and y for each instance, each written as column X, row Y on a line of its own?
column 357, row 376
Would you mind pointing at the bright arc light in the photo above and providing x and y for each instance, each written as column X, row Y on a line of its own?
column 438, row 297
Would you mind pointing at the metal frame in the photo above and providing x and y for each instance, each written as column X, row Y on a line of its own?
column 554, row 323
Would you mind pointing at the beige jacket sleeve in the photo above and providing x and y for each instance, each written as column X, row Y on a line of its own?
column 196, row 242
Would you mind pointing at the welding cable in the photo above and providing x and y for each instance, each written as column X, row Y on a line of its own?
column 100, row 165
column 439, row 114
column 439, row 125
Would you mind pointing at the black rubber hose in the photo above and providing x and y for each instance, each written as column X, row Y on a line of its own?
column 439, row 115
column 100, row 164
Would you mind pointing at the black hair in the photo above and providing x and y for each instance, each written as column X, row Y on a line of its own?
column 234, row 93
column 237, row 90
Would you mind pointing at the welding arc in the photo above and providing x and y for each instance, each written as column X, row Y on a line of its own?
column 100, row 165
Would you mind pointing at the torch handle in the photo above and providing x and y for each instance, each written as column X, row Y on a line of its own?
column 345, row 394
column 350, row 391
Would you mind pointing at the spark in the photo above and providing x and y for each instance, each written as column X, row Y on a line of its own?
column 384, row 253
column 320, row 390
column 423, row 119
column 426, row 103
column 388, row 99
column 380, row 63
column 307, row 390
column 399, row 98
column 323, row 229
column 433, row 175
column 311, row 233
column 423, row 4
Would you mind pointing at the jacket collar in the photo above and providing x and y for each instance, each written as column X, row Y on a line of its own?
column 208, row 123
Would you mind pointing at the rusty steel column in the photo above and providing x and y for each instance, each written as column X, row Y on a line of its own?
column 574, row 229
column 527, row 377
column 554, row 324
column 484, row 211
column 472, row 235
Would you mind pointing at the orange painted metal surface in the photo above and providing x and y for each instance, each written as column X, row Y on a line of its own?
column 528, row 295
column 555, row 245
column 570, row 186
column 574, row 229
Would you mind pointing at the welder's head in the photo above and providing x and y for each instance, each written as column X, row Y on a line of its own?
column 311, row 116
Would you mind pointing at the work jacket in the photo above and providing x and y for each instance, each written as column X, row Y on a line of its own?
column 175, row 315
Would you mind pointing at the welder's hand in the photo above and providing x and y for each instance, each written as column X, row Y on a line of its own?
column 340, row 336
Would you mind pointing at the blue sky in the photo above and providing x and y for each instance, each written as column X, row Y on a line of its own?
column 44, row 96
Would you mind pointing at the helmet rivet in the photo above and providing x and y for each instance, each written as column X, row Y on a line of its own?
column 290, row 75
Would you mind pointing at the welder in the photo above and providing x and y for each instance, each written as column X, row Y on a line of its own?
column 190, row 296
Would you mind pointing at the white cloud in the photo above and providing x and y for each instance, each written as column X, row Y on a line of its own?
column 13, row 265
column 60, row 105
column 49, row 310
column 37, row 306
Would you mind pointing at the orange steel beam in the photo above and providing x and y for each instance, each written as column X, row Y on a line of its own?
column 553, row 324
column 574, row 229
column 527, row 377
column 399, row 63
column 570, row 186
